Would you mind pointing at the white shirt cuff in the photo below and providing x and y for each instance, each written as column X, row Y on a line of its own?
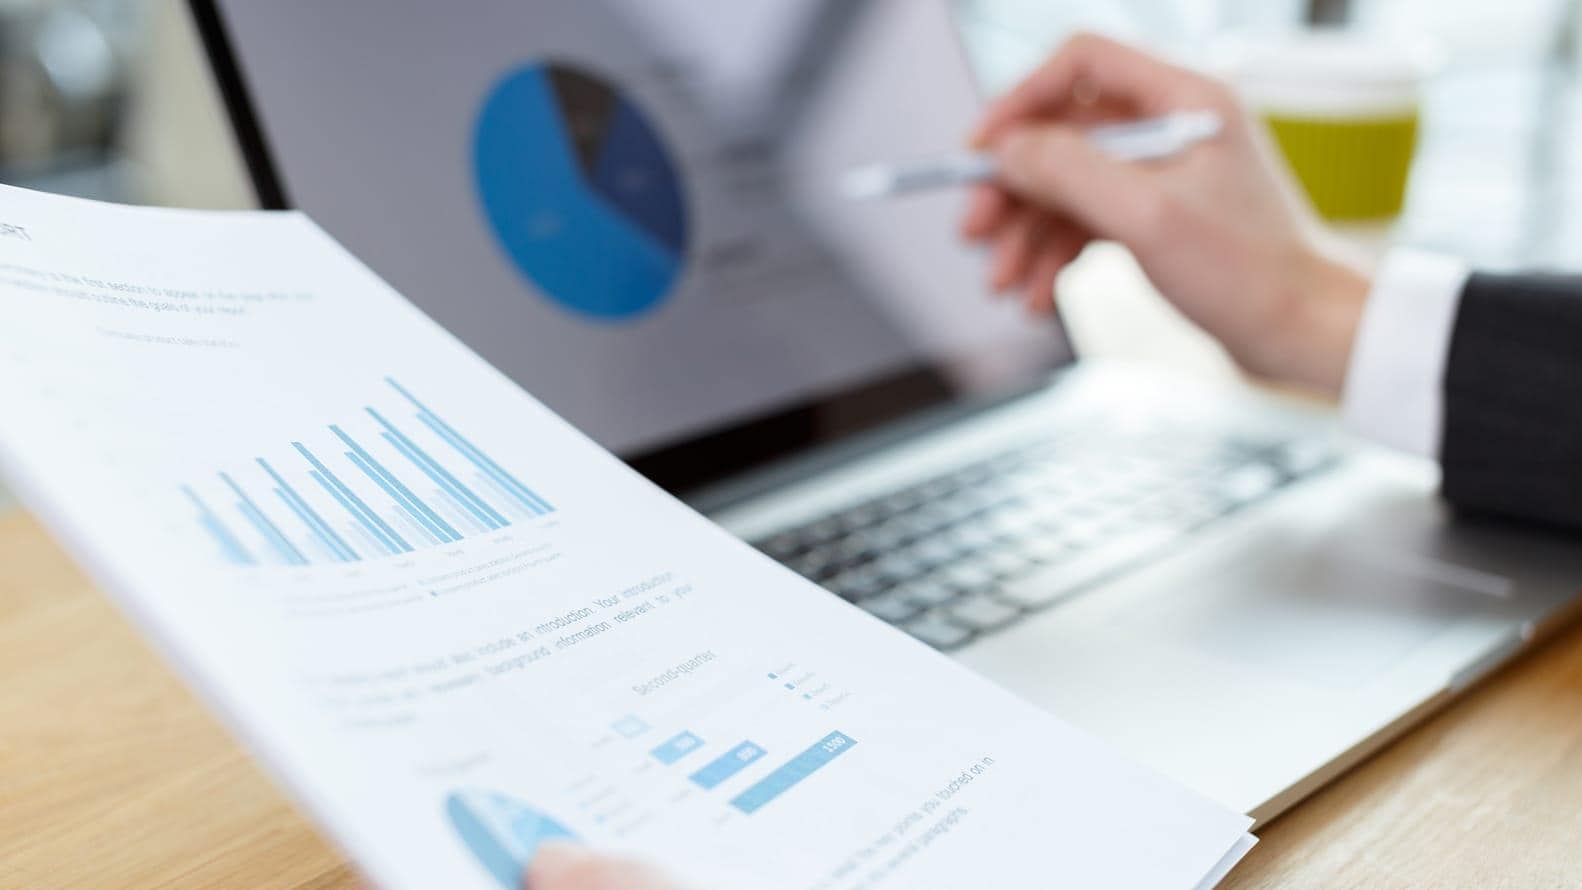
column 1394, row 392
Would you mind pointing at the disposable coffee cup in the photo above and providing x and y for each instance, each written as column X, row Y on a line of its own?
column 1344, row 110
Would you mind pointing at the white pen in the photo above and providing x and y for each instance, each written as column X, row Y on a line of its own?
column 1140, row 140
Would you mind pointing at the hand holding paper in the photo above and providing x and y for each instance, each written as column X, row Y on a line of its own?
column 456, row 630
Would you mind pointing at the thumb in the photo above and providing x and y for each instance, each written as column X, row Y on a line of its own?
column 1056, row 167
column 553, row 862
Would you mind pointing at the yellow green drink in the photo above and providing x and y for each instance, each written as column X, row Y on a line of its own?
column 1351, row 168
column 1344, row 110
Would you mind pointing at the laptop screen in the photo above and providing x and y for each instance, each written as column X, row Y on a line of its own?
column 634, row 208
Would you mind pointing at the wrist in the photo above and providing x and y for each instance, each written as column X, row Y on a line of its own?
column 1310, row 340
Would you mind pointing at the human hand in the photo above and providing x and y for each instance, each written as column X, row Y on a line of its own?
column 564, row 866
column 1220, row 229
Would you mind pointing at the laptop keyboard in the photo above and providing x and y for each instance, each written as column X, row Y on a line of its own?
column 976, row 549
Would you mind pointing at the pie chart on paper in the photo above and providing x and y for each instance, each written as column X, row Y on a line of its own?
column 580, row 191
column 502, row 832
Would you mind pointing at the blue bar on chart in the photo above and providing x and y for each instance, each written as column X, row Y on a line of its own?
column 310, row 517
column 793, row 771
column 353, row 504
column 412, row 489
column 230, row 545
column 524, row 495
column 676, row 747
column 726, row 765
column 630, row 727
column 267, row 528
column 439, row 475
column 402, row 495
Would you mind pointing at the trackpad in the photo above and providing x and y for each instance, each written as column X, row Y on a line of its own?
column 1341, row 615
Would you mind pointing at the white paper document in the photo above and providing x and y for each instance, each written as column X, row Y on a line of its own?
column 453, row 627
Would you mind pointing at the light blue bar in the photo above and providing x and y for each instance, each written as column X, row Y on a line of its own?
column 459, row 515
column 473, row 453
column 229, row 543
column 249, row 509
column 793, row 771
column 373, row 533
column 676, row 747
column 282, row 545
column 516, row 491
column 422, row 524
column 518, row 509
column 444, row 485
column 307, row 514
column 415, row 453
column 432, row 520
column 359, row 531
column 630, row 726
column 361, row 511
column 448, row 484
column 415, row 528
column 290, row 505
column 726, row 765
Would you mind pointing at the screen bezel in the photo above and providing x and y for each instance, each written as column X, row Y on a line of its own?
column 713, row 455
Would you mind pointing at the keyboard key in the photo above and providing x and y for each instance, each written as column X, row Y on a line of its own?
column 862, row 516
column 967, row 576
column 918, row 523
column 938, row 632
column 890, row 607
column 1005, row 562
column 928, row 593
column 1010, row 523
column 932, row 552
column 886, row 537
column 856, row 584
column 972, row 536
column 823, row 530
column 854, row 548
column 972, row 501
column 807, row 565
column 782, row 546
column 980, row 612
column 1043, row 547
column 1055, row 582
column 898, row 567
column 902, row 501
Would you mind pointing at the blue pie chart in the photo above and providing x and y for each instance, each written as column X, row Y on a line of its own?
column 502, row 832
column 580, row 191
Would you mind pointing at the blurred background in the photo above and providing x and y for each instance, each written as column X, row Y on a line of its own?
column 1450, row 124
column 110, row 98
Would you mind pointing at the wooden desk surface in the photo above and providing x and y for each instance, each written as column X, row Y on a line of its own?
column 112, row 775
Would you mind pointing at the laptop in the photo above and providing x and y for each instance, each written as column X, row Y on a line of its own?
column 632, row 207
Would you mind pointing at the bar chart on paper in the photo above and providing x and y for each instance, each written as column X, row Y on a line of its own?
column 385, row 483
column 741, row 739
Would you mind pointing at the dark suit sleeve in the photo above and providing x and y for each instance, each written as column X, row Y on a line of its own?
column 1513, row 399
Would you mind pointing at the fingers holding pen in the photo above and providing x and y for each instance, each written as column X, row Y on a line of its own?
column 1015, row 249
column 988, row 210
column 1063, row 242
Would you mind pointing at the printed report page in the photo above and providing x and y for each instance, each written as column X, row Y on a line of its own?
column 454, row 628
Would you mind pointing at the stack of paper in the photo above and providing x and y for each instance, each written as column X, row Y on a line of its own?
column 454, row 627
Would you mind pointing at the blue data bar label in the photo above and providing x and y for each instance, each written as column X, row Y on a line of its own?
column 677, row 747
column 726, row 765
column 793, row 771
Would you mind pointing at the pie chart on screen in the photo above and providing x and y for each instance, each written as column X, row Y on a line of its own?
column 580, row 191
